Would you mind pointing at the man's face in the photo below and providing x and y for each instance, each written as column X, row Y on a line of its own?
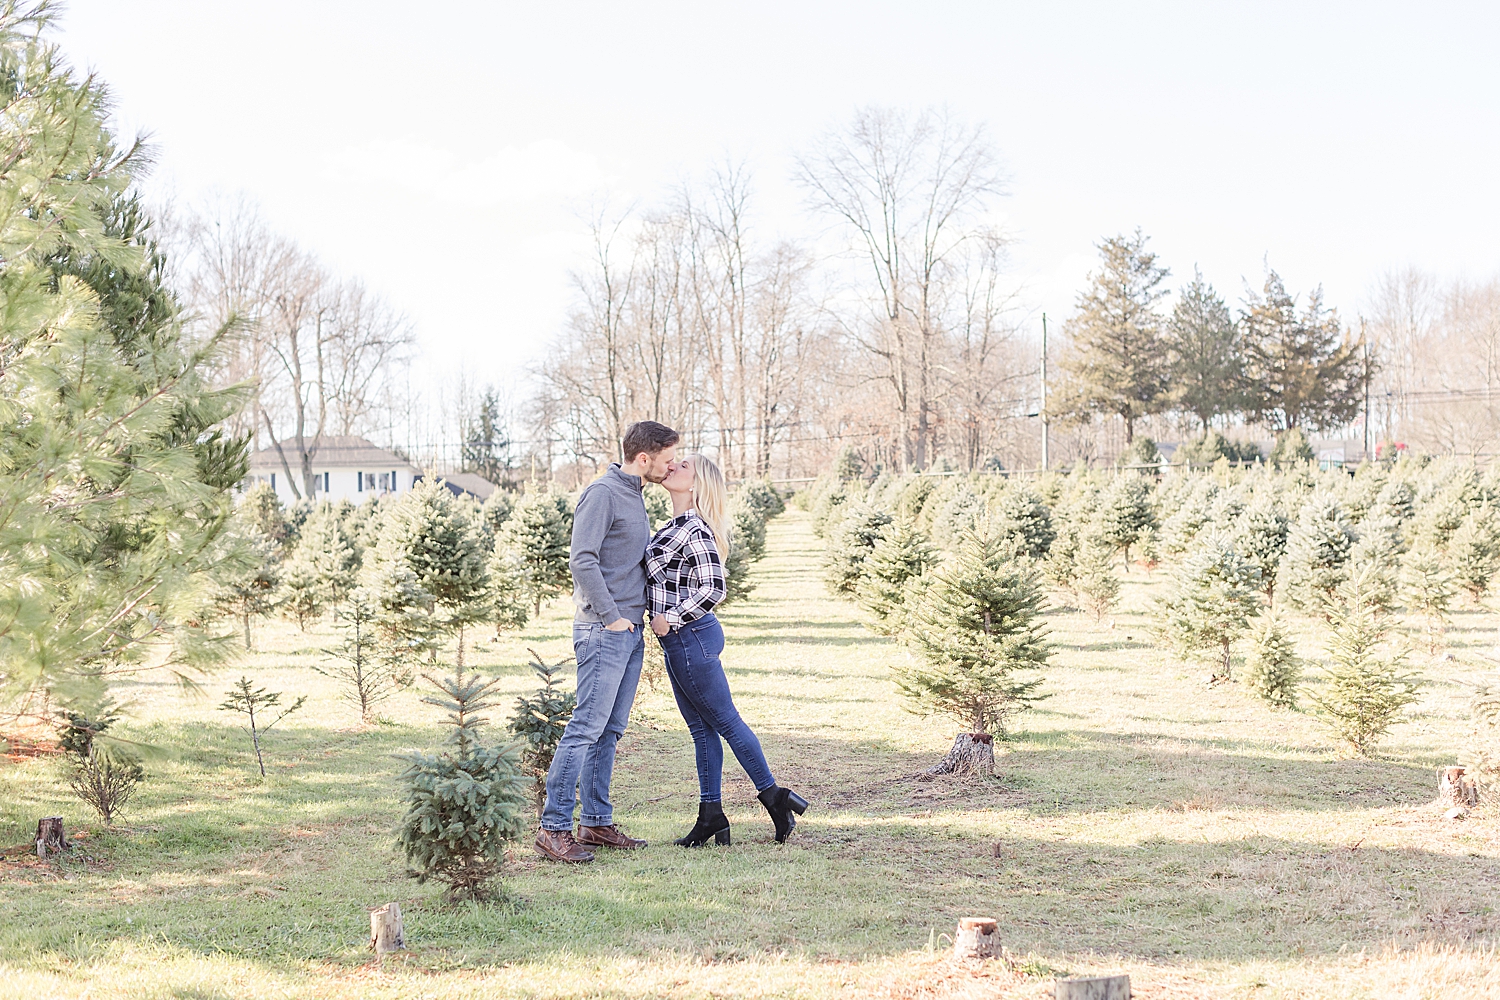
column 660, row 464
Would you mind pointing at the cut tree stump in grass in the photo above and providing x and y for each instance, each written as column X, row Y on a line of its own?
column 1092, row 988
column 386, row 932
column 972, row 753
column 50, row 838
column 976, row 937
column 1456, row 789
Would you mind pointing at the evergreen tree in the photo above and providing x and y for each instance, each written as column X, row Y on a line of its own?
column 367, row 676
column 1474, row 550
column 959, row 513
column 1274, row 670
column 1118, row 361
column 1096, row 584
column 851, row 544
column 1190, row 517
column 763, row 497
column 979, row 636
column 114, row 479
column 1317, row 554
column 262, row 508
column 495, row 512
column 1142, row 456
column 658, row 505
column 248, row 700
column 404, row 625
column 300, row 595
column 540, row 533
column 1377, row 557
column 1125, row 513
column 1366, row 691
column 327, row 548
column 1481, row 757
column 465, row 802
column 888, row 576
column 747, row 528
column 512, row 608
column 486, row 447
column 1260, row 536
column 1291, row 448
column 540, row 720
column 1203, row 354
column 1427, row 587
column 103, row 774
column 1215, row 597
column 1021, row 517
column 1302, row 369
column 247, row 573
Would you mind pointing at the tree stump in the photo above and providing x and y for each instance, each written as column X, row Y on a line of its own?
column 977, row 937
column 972, row 753
column 386, row 932
column 1092, row 988
column 1456, row 789
column 50, row 838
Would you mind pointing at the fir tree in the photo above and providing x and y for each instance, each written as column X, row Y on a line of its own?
column 898, row 560
column 1021, row 517
column 1474, row 550
column 1096, row 584
column 247, row 574
column 762, row 496
column 956, row 518
column 540, row 720
column 658, row 505
column 367, row 676
column 496, row 511
column 326, row 546
column 1482, row 755
column 247, row 699
column 747, row 528
column 511, row 607
column 1192, row 514
column 404, row 626
column 1274, row 670
column 1215, row 597
column 1317, row 554
column 465, row 802
column 1125, row 513
column 979, row 637
column 851, row 544
column 1291, row 448
column 104, row 775
column 1260, row 536
column 1366, row 692
column 301, row 593
column 1377, row 557
column 540, row 533
column 1427, row 587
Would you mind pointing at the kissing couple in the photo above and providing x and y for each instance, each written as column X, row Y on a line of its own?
column 623, row 578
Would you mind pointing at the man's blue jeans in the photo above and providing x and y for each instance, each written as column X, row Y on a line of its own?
column 609, row 668
column 703, row 698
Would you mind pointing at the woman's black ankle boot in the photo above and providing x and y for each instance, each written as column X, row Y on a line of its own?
column 781, row 803
column 711, row 823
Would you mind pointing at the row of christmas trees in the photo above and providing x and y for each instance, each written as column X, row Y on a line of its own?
column 1380, row 556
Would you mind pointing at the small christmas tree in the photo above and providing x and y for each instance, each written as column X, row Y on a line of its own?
column 1022, row 517
column 1126, row 515
column 367, row 676
column 1291, row 448
column 1474, row 551
column 1317, row 554
column 540, row 720
column 248, row 700
column 764, row 498
column 248, row 574
column 1377, row 557
column 1216, row 595
column 465, row 802
column 301, row 596
column 747, row 528
column 1366, row 691
column 1482, row 755
column 1260, row 536
column 658, row 505
column 540, row 532
column 850, row 544
column 496, row 511
column 978, row 635
column 1274, row 669
column 1427, row 587
column 405, row 631
column 329, row 550
column 955, row 519
column 511, row 608
column 103, row 776
column 899, row 558
column 1095, row 582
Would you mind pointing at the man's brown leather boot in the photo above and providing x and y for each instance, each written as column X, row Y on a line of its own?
column 607, row 836
column 559, row 845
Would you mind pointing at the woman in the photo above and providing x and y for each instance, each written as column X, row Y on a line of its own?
column 685, row 573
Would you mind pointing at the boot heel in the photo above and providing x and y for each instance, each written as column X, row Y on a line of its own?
column 797, row 803
column 722, row 837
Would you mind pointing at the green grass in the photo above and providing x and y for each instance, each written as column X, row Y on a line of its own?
column 1140, row 822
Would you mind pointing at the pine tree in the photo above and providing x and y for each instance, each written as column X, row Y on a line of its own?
column 1274, row 670
column 114, row 474
column 1096, row 584
column 1118, row 363
column 1366, row 692
column 1125, row 513
column 496, row 511
column 540, row 720
column 889, row 574
column 851, row 543
column 1474, row 550
column 540, row 533
column 465, row 802
column 1216, row 595
column 1427, row 587
column 764, row 498
column 247, row 699
column 325, row 544
column 1317, row 554
column 979, row 636
column 1291, row 448
column 103, row 774
column 1203, row 353
column 367, row 677
column 404, row 625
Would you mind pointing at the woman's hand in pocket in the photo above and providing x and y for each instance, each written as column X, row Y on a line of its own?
column 659, row 625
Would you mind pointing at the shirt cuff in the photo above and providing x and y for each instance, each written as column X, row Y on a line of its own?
column 673, row 617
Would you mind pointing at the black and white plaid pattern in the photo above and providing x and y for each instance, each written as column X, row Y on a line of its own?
column 684, row 577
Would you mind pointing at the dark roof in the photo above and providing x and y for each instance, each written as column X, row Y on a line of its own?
column 459, row 483
column 342, row 451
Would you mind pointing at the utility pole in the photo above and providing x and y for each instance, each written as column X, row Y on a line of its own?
column 1042, row 410
column 1367, row 395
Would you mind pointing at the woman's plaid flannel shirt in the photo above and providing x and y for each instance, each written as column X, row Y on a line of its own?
column 685, row 578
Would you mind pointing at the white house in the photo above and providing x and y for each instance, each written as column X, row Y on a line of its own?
column 344, row 468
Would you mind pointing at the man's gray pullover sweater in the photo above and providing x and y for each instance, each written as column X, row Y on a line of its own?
column 610, row 532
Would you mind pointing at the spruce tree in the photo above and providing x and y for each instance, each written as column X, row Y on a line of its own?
column 1474, row 550
column 511, row 609
column 256, row 704
column 1427, row 589
column 1291, row 448
column 1260, row 536
column 465, row 802
column 763, row 496
column 956, row 518
column 1376, row 555
column 1365, row 691
column 540, row 720
column 301, row 592
column 405, row 629
column 851, row 543
column 889, row 574
column 366, row 675
column 439, row 536
column 496, row 511
column 329, row 551
column 1274, row 670
column 1125, row 513
column 658, row 505
column 1095, row 582
column 1317, row 554
column 1481, row 757
column 979, row 638
column 246, row 574
column 1190, row 517
column 1022, row 517
column 540, row 533
column 1216, row 594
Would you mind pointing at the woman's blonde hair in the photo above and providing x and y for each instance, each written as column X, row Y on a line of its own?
column 711, row 501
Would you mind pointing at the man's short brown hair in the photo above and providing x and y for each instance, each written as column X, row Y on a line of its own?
column 647, row 436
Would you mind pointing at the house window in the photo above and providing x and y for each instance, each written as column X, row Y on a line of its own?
column 325, row 482
column 273, row 480
column 385, row 482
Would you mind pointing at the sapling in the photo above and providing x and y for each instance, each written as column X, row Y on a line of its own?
column 540, row 720
column 1274, row 670
column 248, row 700
column 102, row 776
column 1428, row 588
column 366, row 675
column 1216, row 594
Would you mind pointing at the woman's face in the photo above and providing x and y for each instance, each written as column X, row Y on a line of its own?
column 680, row 475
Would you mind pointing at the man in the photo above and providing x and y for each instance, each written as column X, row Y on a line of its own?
column 610, row 532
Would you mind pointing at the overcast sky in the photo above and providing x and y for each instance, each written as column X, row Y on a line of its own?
column 446, row 156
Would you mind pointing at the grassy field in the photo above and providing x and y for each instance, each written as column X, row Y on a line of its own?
column 1140, row 822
